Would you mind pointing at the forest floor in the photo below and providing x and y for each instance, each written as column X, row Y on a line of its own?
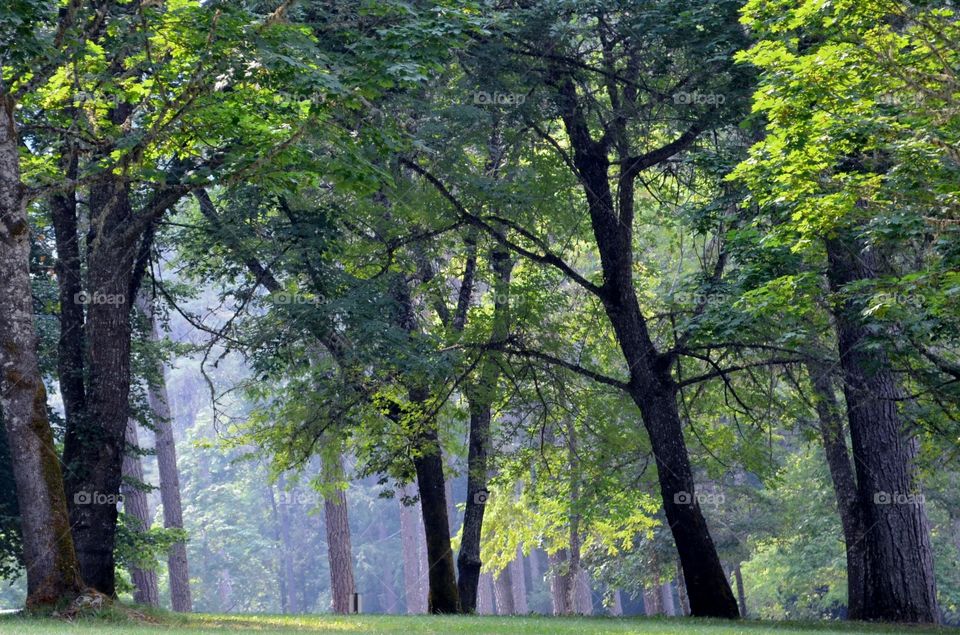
column 199, row 624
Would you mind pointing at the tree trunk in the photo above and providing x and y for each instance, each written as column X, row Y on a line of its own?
column 410, row 540
column 431, row 485
column 651, row 385
column 503, row 587
column 278, row 540
column 616, row 607
column 480, row 397
column 899, row 581
column 443, row 597
column 136, row 506
column 834, row 442
column 53, row 570
column 287, row 547
column 485, row 595
column 339, row 544
column 93, row 444
column 584, row 595
column 518, row 576
column 70, row 345
column 741, row 594
column 682, row 591
column 560, row 582
column 166, row 450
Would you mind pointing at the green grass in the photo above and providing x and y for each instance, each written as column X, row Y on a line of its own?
column 116, row 621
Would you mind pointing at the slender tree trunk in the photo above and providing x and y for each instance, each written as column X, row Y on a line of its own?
column 480, row 397
column 741, row 594
column 136, row 506
column 166, row 449
column 899, row 580
column 431, row 484
column 53, row 570
column 651, row 385
column 443, row 597
column 287, row 547
column 278, row 540
column 834, row 442
column 70, row 345
column 410, row 539
column 560, row 582
column 339, row 544
column 616, row 608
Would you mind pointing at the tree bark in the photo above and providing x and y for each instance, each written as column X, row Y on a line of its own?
column 616, row 607
column 741, row 594
column 833, row 438
column 518, row 576
column 651, row 385
column 682, row 591
column 166, row 449
column 287, row 548
column 485, row 595
column 93, row 444
column 560, row 582
column 480, row 397
column 410, row 539
column 339, row 544
column 53, row 570
column 136, row 506
column 503, row 587
column 899, row 580
column 71, row 341
column 584, row 595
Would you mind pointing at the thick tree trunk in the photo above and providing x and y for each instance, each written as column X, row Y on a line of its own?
column 584, row 595
column 834, row 442
column 166, row 450
column 410, row 540
column 93, row 445
column 651, row 385
column 136, row 506
column 899, row 581
column 503, row 587
column 485, row 595
column 53, row 571
column 560, row 582
column 339, row 544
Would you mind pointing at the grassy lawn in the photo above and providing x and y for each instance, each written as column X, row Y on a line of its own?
column 425, row 625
